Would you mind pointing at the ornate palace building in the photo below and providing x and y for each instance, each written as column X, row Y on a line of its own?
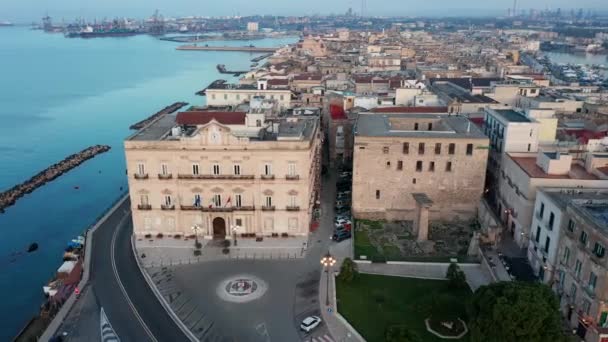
column 224, row 172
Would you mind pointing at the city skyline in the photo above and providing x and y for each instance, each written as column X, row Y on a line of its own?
column 20, row 11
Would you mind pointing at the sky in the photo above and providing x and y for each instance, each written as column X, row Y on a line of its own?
column 30, row 10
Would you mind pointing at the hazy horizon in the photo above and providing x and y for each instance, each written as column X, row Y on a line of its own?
column 33, row 10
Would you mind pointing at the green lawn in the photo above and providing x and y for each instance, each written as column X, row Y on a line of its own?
column 371, row 303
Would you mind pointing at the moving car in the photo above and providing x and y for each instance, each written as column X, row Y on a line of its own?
column 310, row 323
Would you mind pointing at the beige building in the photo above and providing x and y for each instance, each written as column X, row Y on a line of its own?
column 224, row 172
column 395, row 155
column 582, row 274
column 226, row 94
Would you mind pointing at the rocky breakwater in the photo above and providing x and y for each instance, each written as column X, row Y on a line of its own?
column 9, row 197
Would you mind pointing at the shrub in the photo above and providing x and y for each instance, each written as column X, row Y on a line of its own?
column 197, row 252
column 198, row 245
column 259, row 238
column 177, row 236
column 226, row 243
column 159, row 235
column 348, row 270
column 456, row 277
column 275, row 234
column 400, row 333
column 284, row 235
column 147, row 236
column 192, row 236
column 226, row 250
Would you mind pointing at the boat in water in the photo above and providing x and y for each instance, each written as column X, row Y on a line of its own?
column 100, row 32
column 6, row 24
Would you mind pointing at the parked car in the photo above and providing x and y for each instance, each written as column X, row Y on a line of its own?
column 345, row 192
column 342, row 221
column 342, row 208
column 342, row 203
column 341, row 235
column 343, row 198
column 344, row 212
column 346, row 227
column 310, row 323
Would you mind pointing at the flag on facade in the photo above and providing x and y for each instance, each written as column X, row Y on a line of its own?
column 229, row 200
column 211, row 202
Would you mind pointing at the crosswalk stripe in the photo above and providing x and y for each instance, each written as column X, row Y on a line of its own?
column 324, row 338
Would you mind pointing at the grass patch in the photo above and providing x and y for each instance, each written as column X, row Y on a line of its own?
column 392, row 252
column 371, row 303
column 372, row 224
column 363, row 246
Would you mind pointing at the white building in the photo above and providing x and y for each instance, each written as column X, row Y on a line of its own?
column 253, row 26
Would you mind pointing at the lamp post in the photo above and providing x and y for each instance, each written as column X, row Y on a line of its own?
column 327, row 261
column 195, row 228
column 234, row 230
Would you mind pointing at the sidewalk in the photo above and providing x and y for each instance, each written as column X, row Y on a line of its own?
column 339, row 328
column 170, row 251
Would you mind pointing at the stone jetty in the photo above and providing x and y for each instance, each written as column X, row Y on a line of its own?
column 167, row 110
column 9, row 197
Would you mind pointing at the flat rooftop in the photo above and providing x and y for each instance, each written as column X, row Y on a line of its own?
column 512, row 115
column 528, row 164
column 592, row 204
column 291, row 128
column 401, row 125
column 456, row 93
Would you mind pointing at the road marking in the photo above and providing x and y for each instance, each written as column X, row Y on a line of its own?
column 122, row 288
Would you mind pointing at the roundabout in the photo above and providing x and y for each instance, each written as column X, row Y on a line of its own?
column 241, row 289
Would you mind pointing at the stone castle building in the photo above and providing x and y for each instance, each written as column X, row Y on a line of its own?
column 224, row 173
column 396, row 155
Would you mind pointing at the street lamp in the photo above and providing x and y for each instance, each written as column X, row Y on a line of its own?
column 327, row 261
column 195, row 228
column 234, row 230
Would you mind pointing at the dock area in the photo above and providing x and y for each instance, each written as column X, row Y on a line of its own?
column 9, row 197
column 259, row 58
column 222, row 70
column 167, row 110
column 226, row 48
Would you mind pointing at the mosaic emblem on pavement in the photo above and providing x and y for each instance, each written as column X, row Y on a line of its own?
column 241, row 289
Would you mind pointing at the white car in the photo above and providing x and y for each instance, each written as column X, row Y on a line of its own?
column 341, row 222
column 310, row 323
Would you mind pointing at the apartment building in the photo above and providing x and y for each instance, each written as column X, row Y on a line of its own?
column 396, row 155
column 582, row 275
column 224, row 172
column 523, row 173
column 220, row 94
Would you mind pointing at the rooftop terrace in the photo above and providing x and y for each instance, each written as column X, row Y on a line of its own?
column 529, row 166
column 512, row 115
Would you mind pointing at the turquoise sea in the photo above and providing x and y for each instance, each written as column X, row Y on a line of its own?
column 58, row 96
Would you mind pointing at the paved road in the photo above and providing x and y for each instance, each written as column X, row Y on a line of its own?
column 293, row 292
column 137, row 316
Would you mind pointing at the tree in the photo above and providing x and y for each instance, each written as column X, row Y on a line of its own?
column 456, row 277
column 348, row 270
column 515, row 311
column 400, row 333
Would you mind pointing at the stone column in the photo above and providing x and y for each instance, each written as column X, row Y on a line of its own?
column 421, row 219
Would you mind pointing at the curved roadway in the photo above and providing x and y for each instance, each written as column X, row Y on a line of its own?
column 131, row 307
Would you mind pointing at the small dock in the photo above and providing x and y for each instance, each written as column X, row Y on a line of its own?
column 9, row 197
column 222, row 70
column 259, row 58
column 226, row 48
column 167, row 110
column 215, row 83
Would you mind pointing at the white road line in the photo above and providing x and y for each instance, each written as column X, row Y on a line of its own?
column 122, row 288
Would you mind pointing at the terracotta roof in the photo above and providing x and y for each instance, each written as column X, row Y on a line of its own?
column 202, row 118
column 410, row 110
column 307, row 77
column 278, row 81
